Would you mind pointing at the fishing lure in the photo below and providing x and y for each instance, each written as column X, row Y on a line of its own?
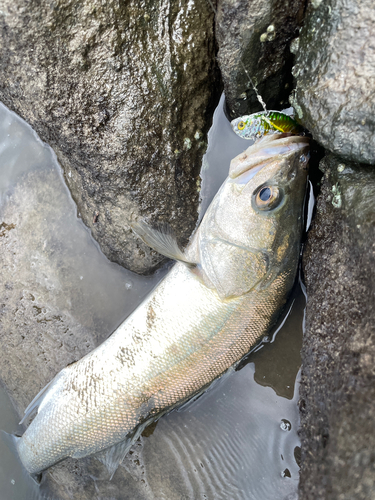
column 266, row 122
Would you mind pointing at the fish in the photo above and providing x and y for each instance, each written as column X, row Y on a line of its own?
column 259, row 124
column 225, row 291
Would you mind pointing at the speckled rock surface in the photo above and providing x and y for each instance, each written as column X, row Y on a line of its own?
column 59, row 299
column 338, row 355
column 124, row 93
column 55, row 285
column 256, row 35
column 335, row 74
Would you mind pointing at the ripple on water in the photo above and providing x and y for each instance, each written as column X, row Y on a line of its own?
column 227, row 444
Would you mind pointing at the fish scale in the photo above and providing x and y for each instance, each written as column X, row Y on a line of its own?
column 202, row 319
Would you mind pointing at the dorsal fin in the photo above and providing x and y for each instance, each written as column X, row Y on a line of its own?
column 36, row 402
column 162, row 240
column 44, row 395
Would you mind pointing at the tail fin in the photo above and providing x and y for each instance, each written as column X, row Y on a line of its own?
column 15, row 481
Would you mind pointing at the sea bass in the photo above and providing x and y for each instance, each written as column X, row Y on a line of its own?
column 266, row 122
column 223, row 295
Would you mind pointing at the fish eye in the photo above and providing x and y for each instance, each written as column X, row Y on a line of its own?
column 267, row 197
column 265, row 194
column 241, row 125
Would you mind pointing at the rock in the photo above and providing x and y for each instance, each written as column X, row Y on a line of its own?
column 124, row 94
column 39, row 334
column 337, row 393
column 56, row 286
column 60, row 298
column 255, row 35
column 335, row 77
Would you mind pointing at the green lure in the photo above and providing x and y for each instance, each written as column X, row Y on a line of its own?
column 267, row 122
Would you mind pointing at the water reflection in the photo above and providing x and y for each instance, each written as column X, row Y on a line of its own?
column 230, row 443
column 233, row 442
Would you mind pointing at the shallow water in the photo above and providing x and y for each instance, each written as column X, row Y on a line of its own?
column 239, row 440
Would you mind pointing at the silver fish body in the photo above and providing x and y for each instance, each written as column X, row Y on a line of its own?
column 200, row 320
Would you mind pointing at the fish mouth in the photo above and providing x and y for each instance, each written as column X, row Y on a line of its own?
column 264, row 151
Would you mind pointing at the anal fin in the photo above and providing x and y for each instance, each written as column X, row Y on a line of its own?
column 112, row 457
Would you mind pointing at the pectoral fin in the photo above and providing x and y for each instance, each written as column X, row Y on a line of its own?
column 161, row 240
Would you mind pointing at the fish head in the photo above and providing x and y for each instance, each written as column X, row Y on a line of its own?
column 252, row 229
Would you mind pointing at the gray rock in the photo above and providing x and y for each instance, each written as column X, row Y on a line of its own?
column 255, row 35
column 124, row 94
column 335, row 74
column 60, row 298
column 55, row 285
column 337, row 393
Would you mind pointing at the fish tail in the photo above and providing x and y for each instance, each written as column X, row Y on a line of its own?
column 20, row 477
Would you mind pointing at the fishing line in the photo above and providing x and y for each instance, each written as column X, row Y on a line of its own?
column 259, row 97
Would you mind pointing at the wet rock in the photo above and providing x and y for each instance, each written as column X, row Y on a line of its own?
column 124, row 94
column 256, row 35
column 338, row 355
column 38, row 333
column 335, row 75
column 59, row 297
